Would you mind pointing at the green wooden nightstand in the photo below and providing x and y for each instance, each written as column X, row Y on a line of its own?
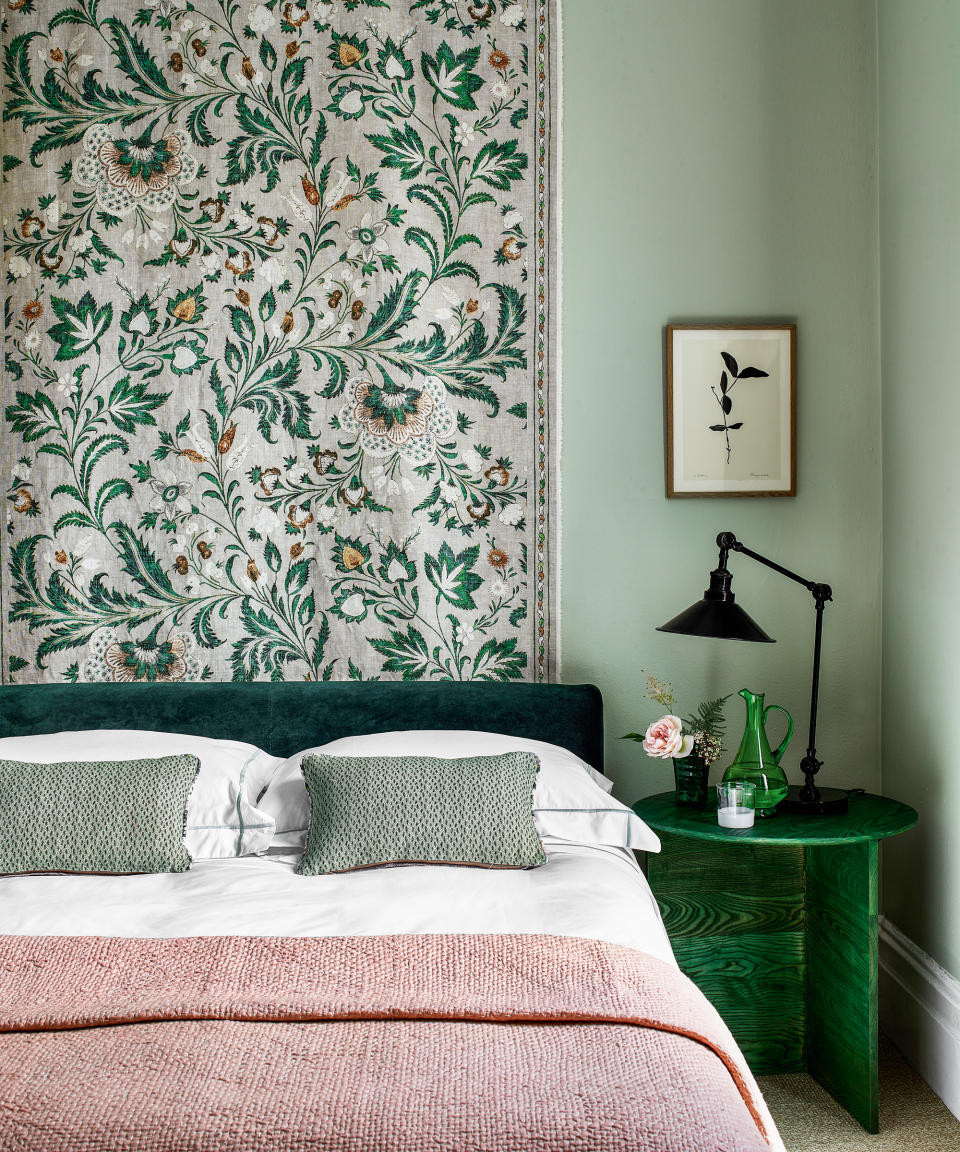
column 777, row 925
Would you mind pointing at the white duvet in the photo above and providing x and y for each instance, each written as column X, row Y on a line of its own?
column 583, row 890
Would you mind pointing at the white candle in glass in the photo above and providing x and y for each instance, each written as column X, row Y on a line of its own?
column 735, row 804
column 735, row 817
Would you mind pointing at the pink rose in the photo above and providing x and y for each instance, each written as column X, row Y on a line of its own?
column 665, row 738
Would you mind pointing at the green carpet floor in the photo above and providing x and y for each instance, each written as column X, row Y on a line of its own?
column 912, row 1118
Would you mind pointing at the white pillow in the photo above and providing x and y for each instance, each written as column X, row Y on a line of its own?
column 570, row 801
column 222, row 817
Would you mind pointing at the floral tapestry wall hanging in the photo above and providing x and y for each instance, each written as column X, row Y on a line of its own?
column 280, row 327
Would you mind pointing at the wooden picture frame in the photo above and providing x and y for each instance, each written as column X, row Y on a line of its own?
column 721, row 443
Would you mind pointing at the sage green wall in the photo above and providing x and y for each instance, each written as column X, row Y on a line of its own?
column 720, row 162
column 920, row 259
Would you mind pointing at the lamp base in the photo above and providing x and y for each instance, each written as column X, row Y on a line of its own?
column 832, row 802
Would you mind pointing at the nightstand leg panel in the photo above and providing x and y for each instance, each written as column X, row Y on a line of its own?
column 842, row 975
column 734, row 914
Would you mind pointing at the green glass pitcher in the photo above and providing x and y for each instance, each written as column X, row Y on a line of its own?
column 755, row 760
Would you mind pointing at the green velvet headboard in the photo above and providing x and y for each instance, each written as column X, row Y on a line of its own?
column 288, row 716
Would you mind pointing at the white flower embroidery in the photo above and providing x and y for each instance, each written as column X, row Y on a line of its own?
column 260, row 18
column 451, row 300
column 336, row 186
column 352, row 102
column 170, row 493
column 266, row 521
column 396, row 571
column 465, row 633
column 301, row 209
column 84, row 569
column 367, row 239
column 473, row 460
column 151, row 238
column 273, row 270
column 455, row 306
column 353, row 606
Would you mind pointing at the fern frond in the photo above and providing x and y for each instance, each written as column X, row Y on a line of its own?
column 708, row 718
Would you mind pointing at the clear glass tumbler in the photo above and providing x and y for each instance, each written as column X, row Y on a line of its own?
column 736, row 800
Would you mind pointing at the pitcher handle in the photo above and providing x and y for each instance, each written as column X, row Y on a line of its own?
column 786, row 740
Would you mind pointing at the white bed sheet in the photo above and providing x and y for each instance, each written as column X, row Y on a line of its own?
column 584, row 890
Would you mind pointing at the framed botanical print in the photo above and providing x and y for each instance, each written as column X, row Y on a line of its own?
column 731, row 410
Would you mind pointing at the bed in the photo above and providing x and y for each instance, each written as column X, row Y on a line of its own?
column 240, row 1005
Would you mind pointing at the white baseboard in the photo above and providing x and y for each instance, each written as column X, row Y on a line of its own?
column 920, row 1012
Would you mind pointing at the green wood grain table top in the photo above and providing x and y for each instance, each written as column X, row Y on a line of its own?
column 868, row 817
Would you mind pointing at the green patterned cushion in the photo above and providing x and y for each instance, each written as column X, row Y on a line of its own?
column 369, row 810
column 98, row 816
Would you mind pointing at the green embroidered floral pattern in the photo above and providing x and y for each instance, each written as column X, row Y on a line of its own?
column 141, row 164
column 279, row 377
column 147, row 660
column 391, row 411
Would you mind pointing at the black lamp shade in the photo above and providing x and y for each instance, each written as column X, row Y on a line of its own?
column 717, row 614
column 720, row 618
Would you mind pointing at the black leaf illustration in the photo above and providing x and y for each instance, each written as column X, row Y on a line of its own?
column 723, row 396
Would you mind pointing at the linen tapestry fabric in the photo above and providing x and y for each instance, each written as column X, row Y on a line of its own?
column 88, row 816
column 280, row 392
column 371, row 810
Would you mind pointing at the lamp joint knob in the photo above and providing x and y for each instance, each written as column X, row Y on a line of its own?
column 810, row 764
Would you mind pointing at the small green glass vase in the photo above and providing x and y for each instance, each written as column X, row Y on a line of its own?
column 690, row 776
column 755, row 761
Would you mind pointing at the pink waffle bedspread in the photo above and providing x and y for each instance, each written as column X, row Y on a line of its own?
column 363, row 1044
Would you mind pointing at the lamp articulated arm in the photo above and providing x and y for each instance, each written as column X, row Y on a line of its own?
column 727, row 543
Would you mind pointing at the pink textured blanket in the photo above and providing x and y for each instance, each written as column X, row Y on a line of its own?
column 363, row 1044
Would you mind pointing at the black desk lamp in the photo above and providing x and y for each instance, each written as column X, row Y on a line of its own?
column 718, row 615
